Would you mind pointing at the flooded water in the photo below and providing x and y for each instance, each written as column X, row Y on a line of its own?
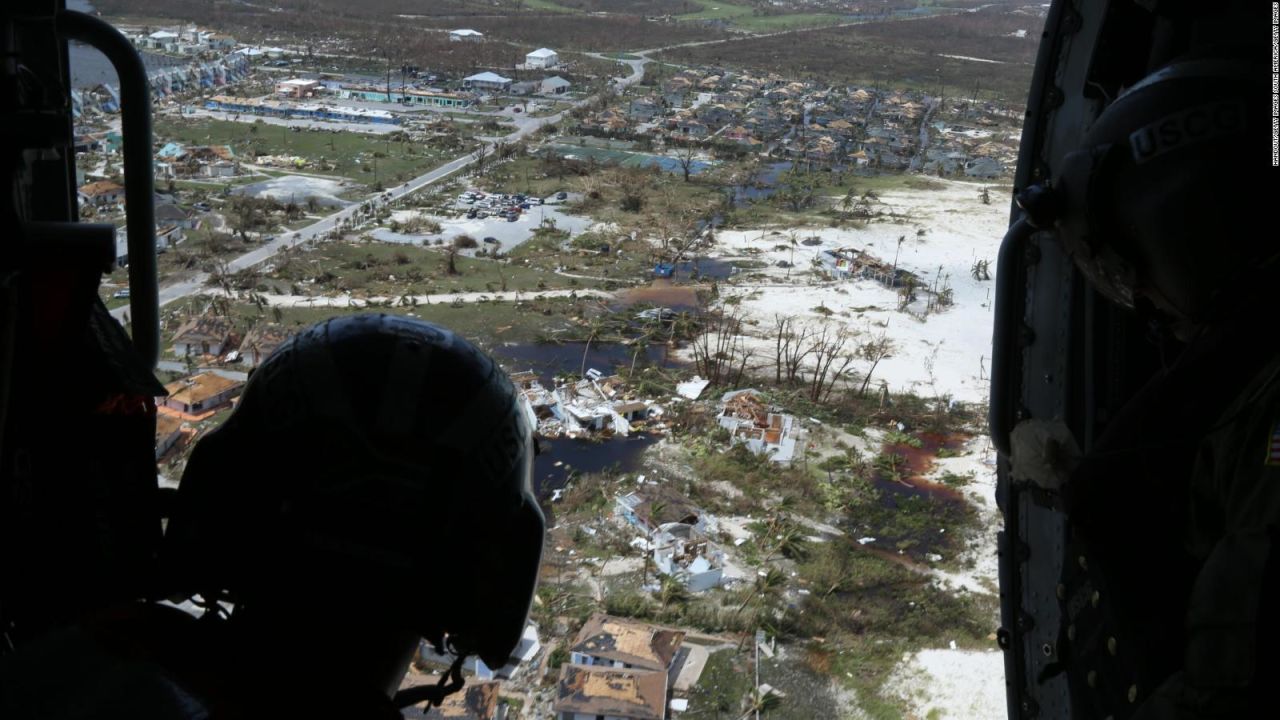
column 913, row 511
column 702, row 269
column 585, row 456
column 550, row 359
column 627, row 158
column 765, row 186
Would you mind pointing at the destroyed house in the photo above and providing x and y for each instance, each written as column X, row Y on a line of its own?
column 587, row 693
column 845, row 263
column 261, row 341
column 204, row 335
column 655, row 505
column 626, row 644
column 750, row 421
column 200, row 393
column 685, row 553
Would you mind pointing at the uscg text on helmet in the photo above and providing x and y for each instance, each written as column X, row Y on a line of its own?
column 1195, row 124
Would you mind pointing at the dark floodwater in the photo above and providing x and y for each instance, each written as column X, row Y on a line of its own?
column 585, row 456
column 766, row 184
column 911, row 493
column 703, row 269
column 549, row 360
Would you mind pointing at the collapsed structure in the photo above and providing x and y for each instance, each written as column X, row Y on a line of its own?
column 595, row 404
column 762, row 428
column 676, row 535
column 845, row 263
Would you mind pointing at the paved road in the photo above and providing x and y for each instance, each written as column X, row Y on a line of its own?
column 171, row 366
column 524, row 128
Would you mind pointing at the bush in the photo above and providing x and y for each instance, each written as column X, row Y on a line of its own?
column 465, row 242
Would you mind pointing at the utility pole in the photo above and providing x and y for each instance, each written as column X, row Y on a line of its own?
column 757, row 674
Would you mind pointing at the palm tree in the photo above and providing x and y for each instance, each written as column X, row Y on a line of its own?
column 640, row 343
column 671, row 590
column 791, row 544
column 596, row 325
column 760, row 702
column 849, row 200
column 766, row 585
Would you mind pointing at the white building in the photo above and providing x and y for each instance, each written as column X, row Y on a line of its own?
column 681, row 551
column 163, row 40
column 487, row 81
column 297, row 87
column 465, row 35
column 542, row 58
column 763, row 430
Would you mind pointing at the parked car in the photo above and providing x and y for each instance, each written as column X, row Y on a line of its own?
column 121, row 294
column 471, row 214
column 491, row 240
column 512, row 217
column 562, row 195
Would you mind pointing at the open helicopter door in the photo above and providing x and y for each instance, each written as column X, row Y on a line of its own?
column 1092, row 622
column 80, row 515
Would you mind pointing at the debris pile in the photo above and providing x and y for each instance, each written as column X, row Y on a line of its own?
column 595, row 405
column 764, row 429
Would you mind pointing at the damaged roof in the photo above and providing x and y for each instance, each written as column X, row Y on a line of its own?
column 204, row 328
column 266, row 337
column 672, row 506
column 596, row 691
column 638, row 644
column 198, row 388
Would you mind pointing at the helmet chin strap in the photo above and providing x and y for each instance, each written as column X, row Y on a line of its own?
column 450, row 682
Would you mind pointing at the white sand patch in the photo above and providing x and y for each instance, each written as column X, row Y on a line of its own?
column 955, row 684
column 955, row 343
column 298, row 189
column 981, row 573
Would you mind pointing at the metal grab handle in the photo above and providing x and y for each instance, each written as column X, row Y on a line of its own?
column 139, row 179
column 1007, row 311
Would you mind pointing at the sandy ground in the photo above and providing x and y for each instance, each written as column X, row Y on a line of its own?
column 947, row 353
column 956, row 684
column 297, row 188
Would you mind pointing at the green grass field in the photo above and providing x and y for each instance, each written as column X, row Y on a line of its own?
column 744, row 17
column 352, row 155
column 483, row 323
column 367, row 269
